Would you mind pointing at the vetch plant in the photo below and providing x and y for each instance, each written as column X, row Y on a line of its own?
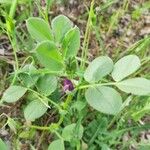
column 102, row 82
column 106, row 99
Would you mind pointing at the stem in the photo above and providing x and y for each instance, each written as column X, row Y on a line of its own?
column 113, row 120
column 44, row 97
column 93, row 85
column 95, row 135
column 40, row 128
column 58, row 135
column 12, row 36
column 145, row 127
column 55, row 125
column 14, row 47
column 13, row 8
column 86, row 36
column 122, row 111
column 67, row 102
column 65, row 106
column 29, row 57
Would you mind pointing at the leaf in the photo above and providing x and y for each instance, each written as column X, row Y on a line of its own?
column 49, row 56
column 28, row 68
column 79, row 105
column 6, row 2
column 3, row 146
column 12, row 124
column 28, row 80
column 26, row 77
column 126, row 102
column 125, row 67
column 39, row 29
column 34, row 110
column 13, row 93
column 27, row 134
column 60, row 26
column 144, row 146
column 57, row 145
column 98, row 68
column 47, row 84
column 137, row 115
column 136, row 86
column 105, row 147
column 71, row 43
column 69, row 132
column 104, row 99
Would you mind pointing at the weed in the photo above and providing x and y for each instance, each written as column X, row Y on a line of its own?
column 87, row 98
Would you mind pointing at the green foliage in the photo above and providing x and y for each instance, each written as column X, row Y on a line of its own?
column 13, row 94
column 27, row 134
column 95, row 96
column 136, row 86
column 26, row 76
column 137, row 12
column 3, row 146
column 98, row 68
column 97, row 127
column 62, row 30
column 57, row 144
column 60, row 26
column 12, row 124
column 72, row 131
column 125, row 66
column 49, row 56
column 34, row 110
column 5, row 1
column 47, row 84
column 71, row 43
column 39, row 29
column 137, row 115
column 105, row 100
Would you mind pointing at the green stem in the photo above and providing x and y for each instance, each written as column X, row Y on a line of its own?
column 53, row 127
column 40, row 128
column 143, row 127
column 13, row 8
column 46, row 98
column 59, row 136
column 12, row 39
column 67, row 102
column 29, row 57
column 65, row 107
column 12, row 36
column 93, row 85
column 113, row 121
column 86, row 37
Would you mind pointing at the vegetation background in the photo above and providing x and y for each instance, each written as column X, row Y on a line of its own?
column 120, row 27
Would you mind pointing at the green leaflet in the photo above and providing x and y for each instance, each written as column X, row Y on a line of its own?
column 49, row 56
column 104, row 99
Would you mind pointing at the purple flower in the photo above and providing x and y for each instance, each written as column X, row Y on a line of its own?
column 67, row 85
